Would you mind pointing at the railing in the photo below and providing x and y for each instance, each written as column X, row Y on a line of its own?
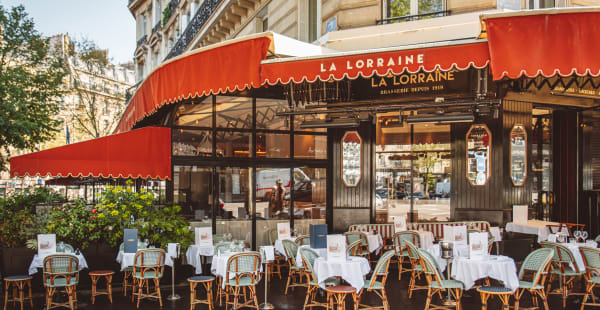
column 200, row 18
column 407, row 18
column 141, row 41
column 156, row 27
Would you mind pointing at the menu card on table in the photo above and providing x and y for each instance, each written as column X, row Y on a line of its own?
column 283, row 231
column 318, row 236
column 455, row 234
column 130, row 240
column 478, row 244
column 203, row 236
column 173, row 250
column 520, row 214
column 399, row 223
column 336, row 248
column 46, row 244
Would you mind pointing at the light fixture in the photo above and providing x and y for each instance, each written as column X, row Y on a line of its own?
column 330, row 123
column 456, row 118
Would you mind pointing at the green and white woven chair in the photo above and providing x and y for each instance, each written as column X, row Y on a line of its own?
column 354, row 248
column 591, row 260
column 402, row 250
column 437, row 282
column 565, row 267
column 148, row 266
column 308, row 260
column 538, row 263
column 352, row 236
column 416, row 270
column 128, row 271
column 61, row 272
column 275, row 267
column 296, row 274
column 303, row 240
column 377, row 283
column 243, row 272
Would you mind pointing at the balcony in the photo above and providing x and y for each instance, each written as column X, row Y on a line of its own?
column 156, row 27
column 200, row 18
column 407, row 18
column 141, row 41
column 169, row 10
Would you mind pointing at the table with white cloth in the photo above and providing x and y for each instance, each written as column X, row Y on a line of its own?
column 375, row 242
column 321, row 252
column 194, row 255
column 459, row 250
column 353, row 270
column 127, row 260
column 38, row 262
column 219, row 265
column 279, row 247
column 502, row 268
column 426, row 238
column 532, row 227
column 574, row 248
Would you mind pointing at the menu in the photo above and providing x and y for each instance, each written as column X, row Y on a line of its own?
column 336, row 248
column 203, row 236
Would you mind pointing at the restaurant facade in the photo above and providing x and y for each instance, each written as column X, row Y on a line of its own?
column 260, row 130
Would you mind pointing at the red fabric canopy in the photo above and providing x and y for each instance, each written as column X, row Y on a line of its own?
column 142, row 153
column 230, row 67
column 546, row 43
column 365, row 64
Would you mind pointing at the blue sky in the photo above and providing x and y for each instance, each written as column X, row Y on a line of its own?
column 106, row 22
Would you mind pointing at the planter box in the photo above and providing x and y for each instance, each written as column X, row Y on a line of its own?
column 16, row 261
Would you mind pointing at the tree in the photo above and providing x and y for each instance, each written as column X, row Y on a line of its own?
column 31, row 80
column 398, row 8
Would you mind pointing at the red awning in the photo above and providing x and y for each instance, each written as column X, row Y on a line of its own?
column 381, row 62
column 142, row 153
column 547, row 42
column 217, row 69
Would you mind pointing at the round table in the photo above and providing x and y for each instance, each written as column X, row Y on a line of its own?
column 195, row 253
column 321, row 252
column 502, row 268
column 426, row 238
column 38, row 262
column 126, row 260
column 352, row 270
column 574, row 248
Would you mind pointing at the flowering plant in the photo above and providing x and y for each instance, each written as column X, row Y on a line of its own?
column 76, row 224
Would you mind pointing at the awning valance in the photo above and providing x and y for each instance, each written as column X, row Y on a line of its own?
column 544, row 42
column 381, row 62
column 142, row 153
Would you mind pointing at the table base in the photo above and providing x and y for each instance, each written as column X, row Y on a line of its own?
column 266, row 306
column 174, row 297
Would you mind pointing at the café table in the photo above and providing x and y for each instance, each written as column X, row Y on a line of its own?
column 195, row 253
column 38, row 262
column 531, row 227
column 574, row 248
column 375, row 242
column 468, row 270
column 353, row 270
column 426, row 238
column 127, row 260
column 459, row 250
column 321, row 252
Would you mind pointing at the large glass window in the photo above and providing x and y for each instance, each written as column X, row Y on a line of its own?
column 272, row 145
column 233, row 144
column 234, row 112
column 197, row 113
column 266, row 117
column 233, row 210
column 310, row 146
column 188, row 142
column 192, row 191
column 309, row 194
column 272, row 207
column 399, row 8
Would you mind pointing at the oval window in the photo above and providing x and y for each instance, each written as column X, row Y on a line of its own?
column 351, row 159
column 479, row 151
column 518, row 155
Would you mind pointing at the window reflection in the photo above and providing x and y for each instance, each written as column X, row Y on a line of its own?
column 234, row 112
column 233, row 144
column 197, row 113
column 310, row 146
column 266, row 117
column 192, row 142
column 272, row 145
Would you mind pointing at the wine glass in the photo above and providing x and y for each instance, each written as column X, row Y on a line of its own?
column 577, row 234
column 584, row 235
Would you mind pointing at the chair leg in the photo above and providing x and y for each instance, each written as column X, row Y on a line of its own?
column 411, row 284
column 400, row 261
column 428, row 301
column 227, row 289
column 588, row 290
column 157, row 287
column 484, row 299
column 384, row 300
column 308, row 293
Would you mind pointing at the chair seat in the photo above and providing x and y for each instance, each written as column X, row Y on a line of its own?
column 376, row 285
column 494, row 290
column 296, row 267
column 528, row 285
column 568, row 272
column 340, row 289
column 61, row 282
column 243, row 281
column 418, row 268
column 595, row 279
column 128, row 269
column 150, row 274
column 17, row 278
column 448, row 284
column 201, row 278
column 101, row 273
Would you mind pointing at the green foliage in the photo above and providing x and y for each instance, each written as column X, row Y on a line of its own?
column 399, row 8
column 166, row 13
column 76, row 224
column 30, row 84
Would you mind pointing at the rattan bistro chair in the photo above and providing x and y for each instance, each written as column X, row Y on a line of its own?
column 537, row 262
column 128, row 271
column 303, row 240
column 61, row 271
column 243, row 272
column 565, row 267
column 402, row 250
column 377, row 283
column 308, row 260
column 417, row 269
column 437, row 282
column 296, row 274
column 352, row 236
column 591, row 260
column 148, row 267
column 354, row 248
column 275, row 267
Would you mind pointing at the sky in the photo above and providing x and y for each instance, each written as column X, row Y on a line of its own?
column 106, row 22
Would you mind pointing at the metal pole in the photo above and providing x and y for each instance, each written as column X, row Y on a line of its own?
column 266, row 305
column 174, row 296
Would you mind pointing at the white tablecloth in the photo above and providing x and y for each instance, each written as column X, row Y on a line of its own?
column 375, row 243
column 279, row 249
column 219, row 266
column 321, row 252
column 126, row 260
column 194, row 253
column 459, row 250
column 353, row 270
column 532, row 227
column 574, row 247
column 426, row 238
column 38, row 262
column 502, row 268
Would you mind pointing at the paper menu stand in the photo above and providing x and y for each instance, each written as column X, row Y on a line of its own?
column 478, row 244
column 130, row 240
column 173, row 249
column 455, row 234
column 520, row 215
column 336, row 248
column 203, row 236
column 399, row 223
column 283, row 231
column 46, row 244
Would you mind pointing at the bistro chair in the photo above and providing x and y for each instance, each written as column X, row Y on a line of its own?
column 279, row 259
column 401, row 249
column 377, row 282
column 565, row 267
column 437, row 282
column 128, row 271
column 303, row 240
column 296, row 274
column 416, row 270
column 243, row 272
column 591, row 260
column 207, row 282
column 308, row 260
column 18, row 284
column 148, row 267
column 354, row 248
column 61, row 272
column 537, row 262
column 352, row 236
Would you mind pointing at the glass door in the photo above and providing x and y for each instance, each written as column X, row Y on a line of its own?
column 233, row 210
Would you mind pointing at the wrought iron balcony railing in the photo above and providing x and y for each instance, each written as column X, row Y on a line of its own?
column 407, row 18
column 156, row 27
column 141, row 41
